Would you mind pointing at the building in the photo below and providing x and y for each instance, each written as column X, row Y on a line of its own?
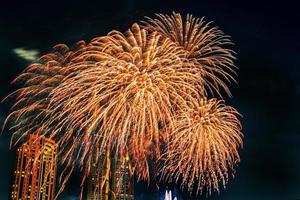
column 121, row 180
column 110, row 179
column 98, row 181
column 36, row 170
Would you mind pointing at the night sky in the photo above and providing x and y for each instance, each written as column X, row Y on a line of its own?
column 266, row 37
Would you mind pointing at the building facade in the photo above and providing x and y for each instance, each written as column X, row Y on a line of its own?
column 36, row 170
column 110, row 179
column 98, row 181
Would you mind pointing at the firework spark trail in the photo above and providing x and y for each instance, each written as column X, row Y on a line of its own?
column 31, row 100
column 133, row 94
column 204, row 46
column 203, row 147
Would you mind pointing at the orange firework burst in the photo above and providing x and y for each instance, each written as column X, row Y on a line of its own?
column 119, row 94
column 123, row 89
column 203, row 147
column 38, row 81
column 204, row 46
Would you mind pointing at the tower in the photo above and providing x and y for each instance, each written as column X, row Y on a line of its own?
column 110, row 179
column 36, row 170
column 98, row 181
column 121, row 179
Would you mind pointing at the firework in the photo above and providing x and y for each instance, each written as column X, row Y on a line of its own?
column 127, row 88
column 204, row 46
column 139, row 95
column 38, row 80
column 203, row 147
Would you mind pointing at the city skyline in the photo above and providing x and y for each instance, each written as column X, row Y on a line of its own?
column 266, row 42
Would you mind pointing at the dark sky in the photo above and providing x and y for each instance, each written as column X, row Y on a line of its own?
column 266, row 37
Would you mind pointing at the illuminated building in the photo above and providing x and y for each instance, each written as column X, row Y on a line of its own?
column 112, row 182
column 122, row 182
column 99, row 175
column 36, row 170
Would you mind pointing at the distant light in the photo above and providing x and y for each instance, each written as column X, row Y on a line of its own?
column 168, row 195
column 27, row 54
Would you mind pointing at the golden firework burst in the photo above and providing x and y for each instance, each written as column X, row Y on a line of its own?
column 38, row 80
column 203, row 148
column 119, row 93
column 123, row 88
column 205, row 47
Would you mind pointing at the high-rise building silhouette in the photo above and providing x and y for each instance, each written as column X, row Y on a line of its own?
column 98, row 181
column 121, row 179
column 36, row 170
column 110, row 179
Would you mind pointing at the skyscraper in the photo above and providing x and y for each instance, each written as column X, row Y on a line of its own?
column 98, row 181
column 114, row 180
column 121, row 179
column 36, row 170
